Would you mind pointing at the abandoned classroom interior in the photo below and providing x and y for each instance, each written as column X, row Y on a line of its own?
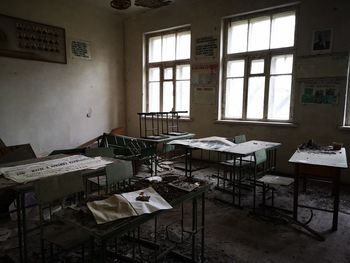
column 174, row 131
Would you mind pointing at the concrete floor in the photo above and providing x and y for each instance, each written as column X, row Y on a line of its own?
column 235, row 235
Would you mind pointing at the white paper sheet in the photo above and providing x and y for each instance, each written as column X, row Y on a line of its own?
column 155, row 203
column 34, row 171
column 126, row 205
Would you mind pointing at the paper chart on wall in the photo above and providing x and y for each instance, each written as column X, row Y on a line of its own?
column 34, row 171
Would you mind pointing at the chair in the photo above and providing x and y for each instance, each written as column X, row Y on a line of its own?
column 271, row 182
column 52, row 191
column 121, row 171
column 258, row 169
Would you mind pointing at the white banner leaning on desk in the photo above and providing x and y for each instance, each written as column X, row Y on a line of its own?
column 34, row 171
column 127, row 205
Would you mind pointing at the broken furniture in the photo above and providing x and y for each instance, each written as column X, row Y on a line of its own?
column 22, row 188
column 162, row 124
column 130, row 148
column 52, row 192
column 104, row 233
column 322, row 166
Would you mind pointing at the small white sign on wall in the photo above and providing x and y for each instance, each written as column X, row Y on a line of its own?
column 81, row 49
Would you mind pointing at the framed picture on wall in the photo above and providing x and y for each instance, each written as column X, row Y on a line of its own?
column 322, row 41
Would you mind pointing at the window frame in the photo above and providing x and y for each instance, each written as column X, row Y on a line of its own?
column 248, row 56
column 162, row 65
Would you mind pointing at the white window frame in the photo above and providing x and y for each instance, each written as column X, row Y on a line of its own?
column 163, row 65
column 248, row 56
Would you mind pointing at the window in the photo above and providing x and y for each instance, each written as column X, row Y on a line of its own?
column 258, row 67
column 168, row 71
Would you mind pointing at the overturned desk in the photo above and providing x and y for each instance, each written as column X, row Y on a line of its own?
column 324, row 165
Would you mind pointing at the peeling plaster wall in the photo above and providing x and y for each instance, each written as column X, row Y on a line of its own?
column 320, row 122
column 45, row 104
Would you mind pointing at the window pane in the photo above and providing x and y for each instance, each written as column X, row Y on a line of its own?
column 183, row 96
column 183, row 45
column 153, row 97
column 237, row 37
column 282, row 64
column 234, row 98
column 183, row 72
column 279, row 97
column 168, row 47
column 235, row 68
column 257, row 66
column 259, row 33
column 168, row 73
column 256, row 90
column 168, row 96
column 155, row 49
column 153, row 74
column 282, row 30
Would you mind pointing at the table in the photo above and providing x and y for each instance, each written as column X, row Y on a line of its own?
column 22, row 189
column 102, row 233
column 325, row 165
column 222, row 145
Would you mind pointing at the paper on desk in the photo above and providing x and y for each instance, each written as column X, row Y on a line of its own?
column 126, row 205
column 209, row 143
column 34, row 171
column 110, row 209
column 155, row 203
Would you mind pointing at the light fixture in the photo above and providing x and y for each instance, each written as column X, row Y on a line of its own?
column 121, row 4
column 125, row 4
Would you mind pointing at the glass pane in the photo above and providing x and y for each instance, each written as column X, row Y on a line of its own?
column 257, row 66
column 183, row 96
column 279, row 97
column 234, row 98
column 168, row 73
column 153, row 97
column 259, row 33
column 155, row 49
column 168, row 96
column 183, row 72
column 153, row 74
column 282, row 64
column 183, row 45
column 237, row 37
column 168, row 49
column 256, row 90
column 282, row 30
column 235, row 68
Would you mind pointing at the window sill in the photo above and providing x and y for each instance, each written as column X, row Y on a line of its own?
column 344, row 128
column 262, row 123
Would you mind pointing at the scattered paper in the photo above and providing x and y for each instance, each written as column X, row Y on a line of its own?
column 186, row 186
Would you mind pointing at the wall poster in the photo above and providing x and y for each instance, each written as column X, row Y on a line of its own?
column 30, row 40
column 321, row 90
column 204, row 81
column 206, row 47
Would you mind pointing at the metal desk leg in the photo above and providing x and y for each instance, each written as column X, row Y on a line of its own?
column 19, row 225
column 194, row 228
column 186, row 161
column 336, row 182
column 24, row 225
column 190, row 160
column 203, row 227
column 296, row 192
column 239, row 181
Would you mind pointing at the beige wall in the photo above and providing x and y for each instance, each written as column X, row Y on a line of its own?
column 320, row 122
column 45, row 104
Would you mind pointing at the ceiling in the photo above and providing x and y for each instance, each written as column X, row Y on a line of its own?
column 130, row 11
